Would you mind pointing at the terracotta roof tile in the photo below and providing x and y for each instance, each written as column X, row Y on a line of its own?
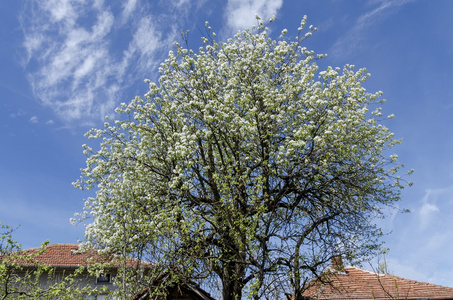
column 67, row 255
column 356, row 283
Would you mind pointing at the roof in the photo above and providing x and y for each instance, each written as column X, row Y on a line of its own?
column 356, row 283
column 181, row 290
column 187, row 291
column 67, row 255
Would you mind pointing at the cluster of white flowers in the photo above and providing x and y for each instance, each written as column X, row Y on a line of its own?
column 223, row 129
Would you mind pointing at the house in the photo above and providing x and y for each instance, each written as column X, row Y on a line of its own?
column 65, row 260
column 338, row 282
column 355, row 283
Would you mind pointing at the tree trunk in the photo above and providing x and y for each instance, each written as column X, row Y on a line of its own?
column 231, row 284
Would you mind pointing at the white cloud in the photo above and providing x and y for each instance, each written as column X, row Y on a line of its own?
column 98, row 4
column 180, row 3
column 146, row 38
column 103, row 26
column 72, row 66
column 426, row 213
column 351, row 42
column 241, row 14
column 436, row 203
column 425, row 258
column 420, row 246
column 17, row 114
column 60, row 10
column 81, row 55
column 146, row 41
column 33, row 120
column 128, row 9
column 428, row 208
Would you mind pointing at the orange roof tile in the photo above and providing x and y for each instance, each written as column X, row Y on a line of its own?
column 356, row 283
column 67, row 255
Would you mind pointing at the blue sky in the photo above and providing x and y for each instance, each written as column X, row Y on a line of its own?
column 65, row 64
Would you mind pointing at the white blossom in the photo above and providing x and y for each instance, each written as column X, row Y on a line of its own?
column 243, row 142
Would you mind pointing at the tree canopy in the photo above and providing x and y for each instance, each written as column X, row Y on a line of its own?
column 244, row 166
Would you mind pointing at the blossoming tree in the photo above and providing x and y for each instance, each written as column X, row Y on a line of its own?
column 244, row 165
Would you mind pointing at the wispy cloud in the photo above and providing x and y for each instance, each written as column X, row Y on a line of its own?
column 353, row 38
column 180, row 3
column 33, row 120
column 17, row 114
column 128, row 9
column 427, row 209
column 80, row 57
column 434, row 201
column 428, row 232
column 241, row 14
column 145, row 41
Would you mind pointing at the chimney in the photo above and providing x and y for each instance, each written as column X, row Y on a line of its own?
column 337, row 263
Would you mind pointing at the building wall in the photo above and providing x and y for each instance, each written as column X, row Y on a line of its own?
column 80, row 281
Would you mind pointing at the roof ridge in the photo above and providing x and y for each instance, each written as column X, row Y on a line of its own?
column 366, row 271
column 397, row 277
column 51, row 245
